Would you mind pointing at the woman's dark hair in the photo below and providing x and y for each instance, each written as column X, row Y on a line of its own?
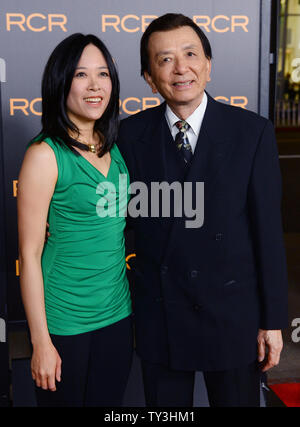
column 168, row 22
column 56, row 84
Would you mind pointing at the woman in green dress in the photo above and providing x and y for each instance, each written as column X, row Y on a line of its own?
column 74, row 288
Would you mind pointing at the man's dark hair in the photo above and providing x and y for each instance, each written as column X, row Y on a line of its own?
column 168, row 22
column 56, row 84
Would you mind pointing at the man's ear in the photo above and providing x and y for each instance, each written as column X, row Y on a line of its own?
column 208, row 71
column 150, row 82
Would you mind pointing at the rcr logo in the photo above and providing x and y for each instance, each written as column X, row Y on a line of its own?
column 127, row 260
column 236, row 101
column 2, row 70
column 127, row 105
column 215, row 24
column 130, row 105
column 15, row 187
column 116, row 22
column 134, row 23
column 23, row 104
column 36, row 22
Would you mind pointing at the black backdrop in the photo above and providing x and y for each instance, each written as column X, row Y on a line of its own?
column 235, row 52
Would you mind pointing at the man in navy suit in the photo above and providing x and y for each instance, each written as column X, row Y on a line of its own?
column 211, row 298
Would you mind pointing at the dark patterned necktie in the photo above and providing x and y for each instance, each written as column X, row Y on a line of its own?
column 182, row 142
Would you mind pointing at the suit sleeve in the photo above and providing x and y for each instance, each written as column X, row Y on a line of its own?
column 265, row 213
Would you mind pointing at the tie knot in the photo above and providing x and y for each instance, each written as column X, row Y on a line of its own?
column 182, row 125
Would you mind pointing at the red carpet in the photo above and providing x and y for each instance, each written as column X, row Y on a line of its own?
column 289, row 394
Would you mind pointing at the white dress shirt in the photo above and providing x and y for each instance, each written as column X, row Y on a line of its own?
column 194, row 120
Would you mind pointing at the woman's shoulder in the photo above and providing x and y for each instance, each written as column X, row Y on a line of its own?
column 39, row 162
column 43, row 152
column 40, row 149
column 44, row 142
column 47, row 146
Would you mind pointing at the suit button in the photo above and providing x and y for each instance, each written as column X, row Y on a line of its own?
column 194, row 274
column 196, row 307
column 219, row 236
column 164, row 269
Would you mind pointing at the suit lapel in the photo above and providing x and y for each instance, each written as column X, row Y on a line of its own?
column 155, row 151
column 154, row 154
column 156, row 158
column 212, row 153
column 149, row 152
column 213, row 148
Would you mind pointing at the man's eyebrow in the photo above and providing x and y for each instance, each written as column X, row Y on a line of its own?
column 163, row 52
column 170, row 51
column 190, row 46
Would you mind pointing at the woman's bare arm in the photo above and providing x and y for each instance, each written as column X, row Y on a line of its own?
column 36, row 185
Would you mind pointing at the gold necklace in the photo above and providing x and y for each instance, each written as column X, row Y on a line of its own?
column 92, row 148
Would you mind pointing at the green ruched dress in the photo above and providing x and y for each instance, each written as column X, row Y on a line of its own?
column 83, row 261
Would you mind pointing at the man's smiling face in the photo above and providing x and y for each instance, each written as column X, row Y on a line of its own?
column 179, row 67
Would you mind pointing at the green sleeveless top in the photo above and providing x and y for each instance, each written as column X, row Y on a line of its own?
column 83, row 261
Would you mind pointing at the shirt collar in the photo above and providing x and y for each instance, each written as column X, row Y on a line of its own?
column 194, row 120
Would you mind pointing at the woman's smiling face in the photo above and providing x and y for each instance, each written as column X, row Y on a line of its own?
column 90, row 89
